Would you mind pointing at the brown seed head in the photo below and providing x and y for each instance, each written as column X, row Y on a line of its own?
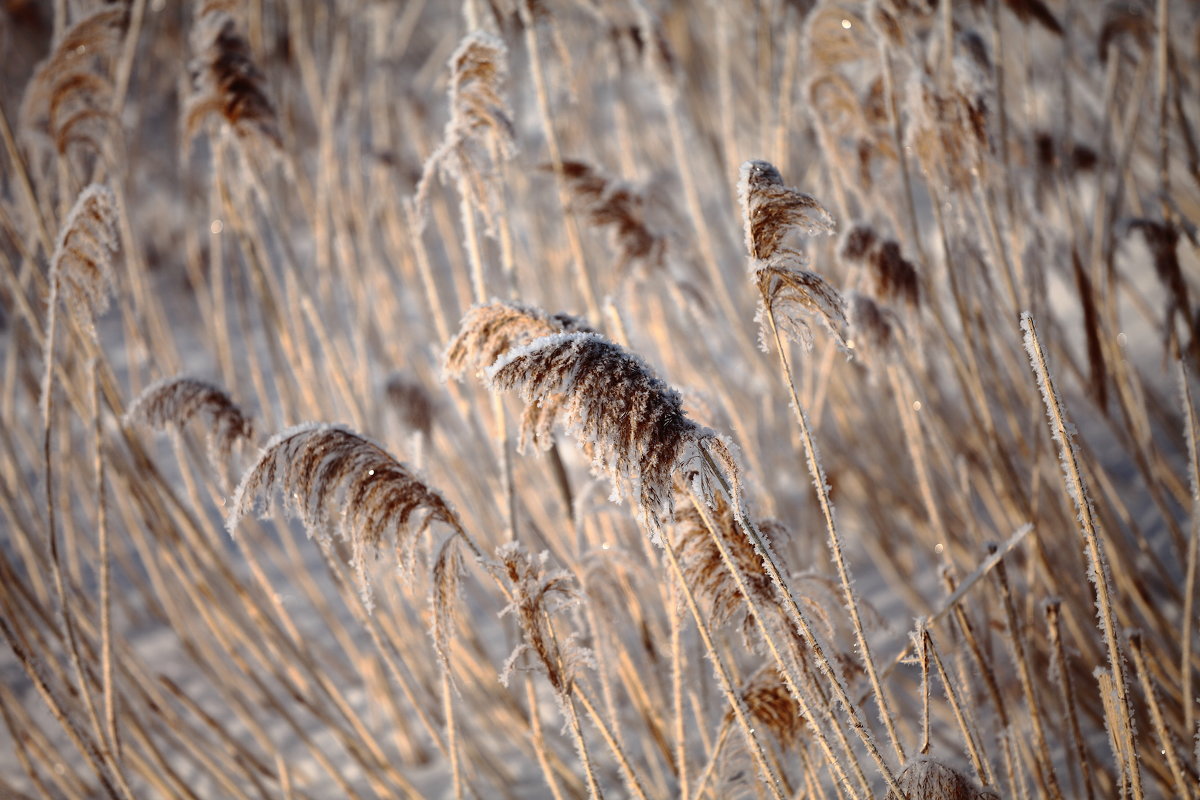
column 81, row 269
column 174, row 401
column 771, row 706
column 70, row 94
column 633, row 422
column 771, row 210
column 227, row 83
column 337, row 482
column 412, row 402
column 925, row 778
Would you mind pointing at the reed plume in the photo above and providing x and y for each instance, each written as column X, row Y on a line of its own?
column 175, row 401
column 608, row 203
column 81, row 269
column 488, row 331
column 226, row 82
column 706, row 571
column 338, row 482
column 874, row 328
column 771, row 211
column 479, row 133
column 771, row 706
column 632, row 421
column 69, row 97
column 929, row 779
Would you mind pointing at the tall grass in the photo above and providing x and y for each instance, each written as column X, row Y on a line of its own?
column 532, row 516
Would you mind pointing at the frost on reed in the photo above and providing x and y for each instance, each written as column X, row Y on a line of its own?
column 632, row 422
column 929, row 779
column 788, row 292
column 337, row 482
column 174, row 401
column 538, row 593
column 69, row 96
column 81, row 269
column 488, row 331
column 226, row 83
column 479, row 133
column 706, row 571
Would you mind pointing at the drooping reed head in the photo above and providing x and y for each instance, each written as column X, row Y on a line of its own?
column 608, row 203
column 480, row 129
column 488, row 331
column 771, row 706
column 69, row 96
column 226, row 82
column 81, row 269
column 706, row 572
column 632, row 421
column 788, row 292
column 771, row 210
column 794, row 295
column 338, row 482
column 175, row 401
column 538, row 592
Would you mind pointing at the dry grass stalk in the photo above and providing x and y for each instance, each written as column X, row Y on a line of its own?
column 1063, row 432
column 1060, row 674
column 338, row 482
column 760, row 186
column 175, row 401
column 630, row 419
column 227, row 84
column 479, row 133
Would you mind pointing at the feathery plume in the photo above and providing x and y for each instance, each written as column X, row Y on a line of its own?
column 174, row 401
column 771, row 706
column 631, row 420
column 929, row 779
column 488, row 331
column 771, row 210
column 81, row 269
column 227, row 83
column 539, row 592
column 793, row 294
column 858, row 242
column 70, row 94
column 608, row 203
column 338, row 482
column 706, row 571
column 479, row 120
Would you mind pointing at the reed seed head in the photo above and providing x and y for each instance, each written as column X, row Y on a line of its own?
column 81, row 269
column 631, row 420
column 338, row 482
column 175, row 401
column 488, row 331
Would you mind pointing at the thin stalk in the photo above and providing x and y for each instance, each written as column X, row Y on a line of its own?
column 1016, row 639
column 677, row 705
column 1189, row 589
column 1183, row 787
column 1059, row 656
column 785, row 668
column 106, row 662
column 539, row 739
column 1062, row 432
column 835, row 545
column 451, row 731
column 980, row 766
column 774, row 785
